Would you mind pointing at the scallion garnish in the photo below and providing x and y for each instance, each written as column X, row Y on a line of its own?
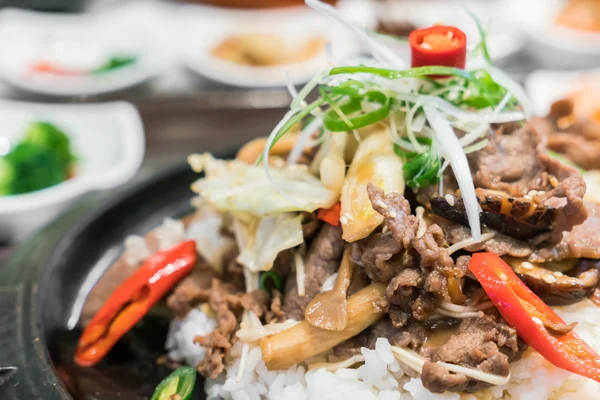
column 334, row 123
column 275, row 281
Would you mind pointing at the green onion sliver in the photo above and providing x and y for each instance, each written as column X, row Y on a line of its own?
column 417, row 72
column 275, row 279
column 334, row 123
column 180, row 382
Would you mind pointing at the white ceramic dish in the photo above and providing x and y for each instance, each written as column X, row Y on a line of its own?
column 551, row 44
column 545, row 87
column 81, row 41
column 503, row 38
column 108, row 140
column 205, row 27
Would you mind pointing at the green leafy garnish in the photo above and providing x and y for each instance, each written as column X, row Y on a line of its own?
column 483, row 34
column 269, row 280
column 114, row 63
column 419, row 170
column 179, row 383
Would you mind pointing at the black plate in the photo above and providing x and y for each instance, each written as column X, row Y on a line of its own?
column 40, row 287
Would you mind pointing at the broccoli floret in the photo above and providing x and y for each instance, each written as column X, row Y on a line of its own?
column 30, row 167
column 49, row 136
column 7, row 176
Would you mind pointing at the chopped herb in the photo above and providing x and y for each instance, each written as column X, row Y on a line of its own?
column 114, row 63
column 269, row 280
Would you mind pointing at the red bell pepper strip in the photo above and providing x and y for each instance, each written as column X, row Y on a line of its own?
column 133, row 299
column 438, row 45
column 528, row 314
column 330, row 215
column 45, row 67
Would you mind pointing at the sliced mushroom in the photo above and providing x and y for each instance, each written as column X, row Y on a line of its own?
column 329, row 310
column 556, row 288
column 521, row 218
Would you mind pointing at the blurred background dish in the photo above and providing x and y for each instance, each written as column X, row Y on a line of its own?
column 547, row 86
column 563, row 33
column 66, row 55
column 103, row 147
column 252, row 48
column 255, row 3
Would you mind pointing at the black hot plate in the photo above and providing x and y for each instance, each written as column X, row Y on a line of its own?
column 42, row 288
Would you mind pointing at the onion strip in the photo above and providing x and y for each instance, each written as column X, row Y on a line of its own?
column 454, row 153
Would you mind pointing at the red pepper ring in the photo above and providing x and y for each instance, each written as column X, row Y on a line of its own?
column 528, row 314
column 132, row 300
column 438, row 45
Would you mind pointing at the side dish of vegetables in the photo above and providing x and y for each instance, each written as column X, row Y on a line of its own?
column 43, row 158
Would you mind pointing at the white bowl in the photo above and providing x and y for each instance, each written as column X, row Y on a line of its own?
column 108, row 140
column 554, row 46
column 81, row 41
column 545, row 86
column 205, row 27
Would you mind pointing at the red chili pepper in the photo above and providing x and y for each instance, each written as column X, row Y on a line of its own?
column 45, row 67
column 330, row 215
column 132, row 300
column 527, row 313
column 438, row 45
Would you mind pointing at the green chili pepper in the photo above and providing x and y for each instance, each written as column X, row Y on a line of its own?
column 275, row 279
column 333, row 122
column 180, row 382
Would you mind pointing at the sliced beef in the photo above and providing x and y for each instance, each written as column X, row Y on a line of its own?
column 583, row 241
column 396, row 211
column 228, row 304
column 574, row 136
column 484, row 344
column 499, row 243
column 516, row 162
column 380, row 253
column 380, row 256
column 323, row 259
column 191, row 290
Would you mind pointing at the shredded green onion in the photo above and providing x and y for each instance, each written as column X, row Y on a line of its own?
column 335, row 123
column 276, row 281
column 483, row 34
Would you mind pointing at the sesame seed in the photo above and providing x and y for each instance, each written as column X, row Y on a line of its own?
column 557, row 274
column 549, row 279
column 344, row 220
column 503, row 276
column 393, row 214
column 382, row 204
column 554, row 182
column 527, row 265
column 449, row 199
column 527, row 197
column 532, row 193
column 537, row 320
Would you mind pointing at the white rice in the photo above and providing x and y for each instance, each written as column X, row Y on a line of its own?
column 382, row 376
column 180, row 339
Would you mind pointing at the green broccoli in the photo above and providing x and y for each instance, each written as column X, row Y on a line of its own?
column 52, row 138
column 32, row 167
column 41, row 160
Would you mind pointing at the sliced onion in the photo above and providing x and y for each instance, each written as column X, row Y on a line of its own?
column 298, row 148
column 454, row 153
column 513, row 87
